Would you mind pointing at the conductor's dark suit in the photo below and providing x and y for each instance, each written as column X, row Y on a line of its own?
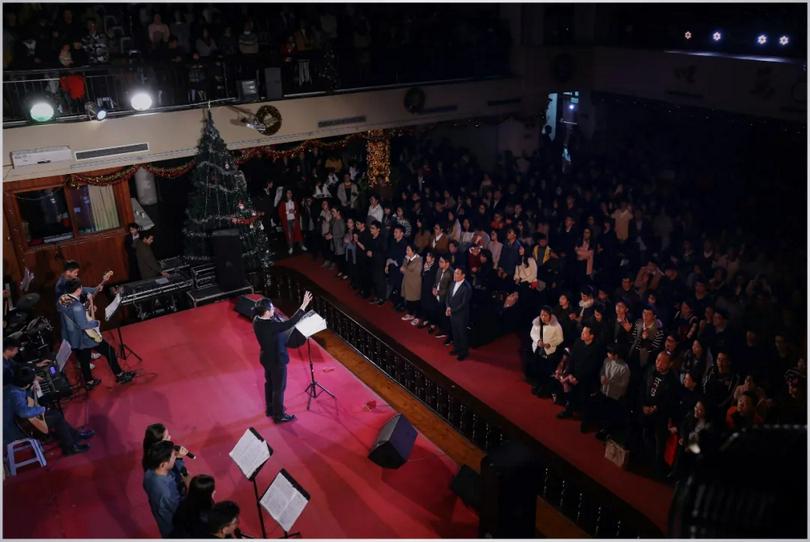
column 274, row 359
column 459, row 305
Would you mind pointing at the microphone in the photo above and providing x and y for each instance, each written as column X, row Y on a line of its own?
column 189, row 454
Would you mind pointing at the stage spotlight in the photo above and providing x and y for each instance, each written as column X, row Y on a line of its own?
column 42, row 110
column 762, row 39
column 141, row 100
column 784, row 40
column 717, row 36
column 571, row 107
column 95, row 112
column 687, row 35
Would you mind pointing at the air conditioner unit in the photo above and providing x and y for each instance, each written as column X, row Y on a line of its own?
column 45, row 155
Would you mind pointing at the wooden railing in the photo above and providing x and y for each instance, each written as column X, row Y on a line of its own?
column 595, row 509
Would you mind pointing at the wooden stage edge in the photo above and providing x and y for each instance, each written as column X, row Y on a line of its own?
column 550, row 522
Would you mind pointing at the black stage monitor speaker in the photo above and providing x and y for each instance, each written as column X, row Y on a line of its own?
column 510, row 477
column 227, row 249
column 467, row 485
column 246, row 303
column 394, row 443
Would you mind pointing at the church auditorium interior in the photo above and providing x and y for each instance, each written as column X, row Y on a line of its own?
column 430, row 270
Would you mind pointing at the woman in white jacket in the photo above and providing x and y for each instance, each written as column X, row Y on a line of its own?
column 547, row 338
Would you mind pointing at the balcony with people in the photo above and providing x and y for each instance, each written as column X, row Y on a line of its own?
column 103, row 53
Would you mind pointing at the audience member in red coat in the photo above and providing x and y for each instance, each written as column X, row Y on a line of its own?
column 289, row 213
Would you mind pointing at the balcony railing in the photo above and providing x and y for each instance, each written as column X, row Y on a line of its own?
column 181, row 85
column 595, row 509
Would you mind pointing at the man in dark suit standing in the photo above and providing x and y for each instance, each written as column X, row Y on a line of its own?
column 458, row 310
column 129, row 244
column 148, row 265
column 273, row 356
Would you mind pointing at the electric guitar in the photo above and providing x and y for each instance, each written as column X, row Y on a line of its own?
column 35, row 427
column 90, row 308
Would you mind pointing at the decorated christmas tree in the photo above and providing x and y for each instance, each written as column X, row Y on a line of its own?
column 219, row 200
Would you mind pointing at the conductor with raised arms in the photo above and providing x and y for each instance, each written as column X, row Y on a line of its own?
column 270, row 332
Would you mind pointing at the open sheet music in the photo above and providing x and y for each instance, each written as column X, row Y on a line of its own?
column 110, row 309
column 284, row 500
column 250, row 453
column 63, row 355
column 310, row 324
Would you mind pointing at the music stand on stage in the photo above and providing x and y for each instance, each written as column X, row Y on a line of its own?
column 285, row 500
column 122, row 346
column 308, row 326
column 250, row 454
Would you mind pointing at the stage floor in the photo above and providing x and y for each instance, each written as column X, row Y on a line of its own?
column 201, row 377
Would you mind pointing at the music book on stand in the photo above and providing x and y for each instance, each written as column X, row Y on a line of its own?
column 285, row 500
column 310, row 324
column 250, row 453
column 63, row 355
column 110, row 309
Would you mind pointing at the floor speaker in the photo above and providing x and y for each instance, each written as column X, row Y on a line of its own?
column 394, row 443
column 227, row 249
column 510, row 477
column 467, row 485
column 246, row 303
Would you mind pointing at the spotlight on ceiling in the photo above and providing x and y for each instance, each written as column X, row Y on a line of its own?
column 42, row 109
column 141, row 100
column 717, row 36
column 784, row 40
column 94, row 111
column 687, row 35
column 762, row 39
column 571, row 107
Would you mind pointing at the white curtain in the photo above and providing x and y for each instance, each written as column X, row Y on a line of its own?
column 105, row 213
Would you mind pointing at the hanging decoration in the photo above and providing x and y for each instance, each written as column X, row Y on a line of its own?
column 304, row 146
column 378, row 150
column 378, row 157
column 74, row 180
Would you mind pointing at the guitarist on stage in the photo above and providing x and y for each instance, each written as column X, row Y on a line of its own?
column 20, row 408
column 71, row 272
column 74, row 330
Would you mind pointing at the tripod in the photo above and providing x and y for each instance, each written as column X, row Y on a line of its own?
column 123, row 348
column 314, row 389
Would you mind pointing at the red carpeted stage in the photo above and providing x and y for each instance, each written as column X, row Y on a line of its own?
column 200, row 376
column 493, row 375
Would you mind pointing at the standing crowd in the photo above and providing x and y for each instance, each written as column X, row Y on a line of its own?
column 653, row 332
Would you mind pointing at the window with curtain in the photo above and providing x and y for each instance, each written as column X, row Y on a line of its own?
column 94, row 208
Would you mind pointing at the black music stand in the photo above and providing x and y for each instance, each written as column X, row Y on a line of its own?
column 250, row 454
column 308, row 326
column 314, row 388
column 123, row 348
